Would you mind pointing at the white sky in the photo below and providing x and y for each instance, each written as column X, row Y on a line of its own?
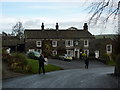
column 68, row 13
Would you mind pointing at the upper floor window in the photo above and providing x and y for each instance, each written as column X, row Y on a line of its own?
column 38, row 43
column 76, row 43
column 86, row 43
column 54, row 43
column 69, row 43
column 109, row 48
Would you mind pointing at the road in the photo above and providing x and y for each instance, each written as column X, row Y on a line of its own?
column 97, row 76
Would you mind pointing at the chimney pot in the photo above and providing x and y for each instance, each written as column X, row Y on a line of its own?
column 42, row 26
column 57, row 26
column 85, row 27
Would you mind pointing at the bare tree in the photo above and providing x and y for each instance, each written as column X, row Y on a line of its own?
column 100, row 7
column 18, row 30
column 112, row 7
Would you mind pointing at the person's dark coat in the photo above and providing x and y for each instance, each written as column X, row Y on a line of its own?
column 41, row 60
column 86, row 61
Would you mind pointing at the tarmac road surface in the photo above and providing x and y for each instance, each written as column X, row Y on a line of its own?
column 97, row 76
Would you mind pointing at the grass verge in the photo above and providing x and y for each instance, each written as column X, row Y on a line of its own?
column 111, row 63
column 48, row 68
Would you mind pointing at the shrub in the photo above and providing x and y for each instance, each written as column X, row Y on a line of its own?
column 113, row 57
column 20, row 59
column 4, row 51
column 105, row 58
column 28, row 69
column 17, row 62
column 6, row 57
column 91, row 56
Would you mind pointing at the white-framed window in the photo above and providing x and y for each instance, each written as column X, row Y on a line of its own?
column 54, row 43
column 76, row 43
column 86, row 51
column 54, row 52
column 70, row 52
column 31, row 50
column 86, row 43
column 69, row 43
column 39, row 50
column 109, row 48
column 38, row 43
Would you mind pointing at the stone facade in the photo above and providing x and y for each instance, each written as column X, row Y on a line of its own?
column 72, row 40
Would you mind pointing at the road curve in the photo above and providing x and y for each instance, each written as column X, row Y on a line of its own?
column 73, row 78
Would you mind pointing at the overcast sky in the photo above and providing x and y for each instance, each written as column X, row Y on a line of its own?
column 68, row 13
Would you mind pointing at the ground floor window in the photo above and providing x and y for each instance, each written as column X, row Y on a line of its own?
column 39, row 50
column 70, row 52
column 31, row 50
column 54, row 52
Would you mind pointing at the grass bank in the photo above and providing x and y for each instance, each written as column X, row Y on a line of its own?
column 48, row 68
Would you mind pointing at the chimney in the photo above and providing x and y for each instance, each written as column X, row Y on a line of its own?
column 57, row 26
column 85, row 27
column 42, row 26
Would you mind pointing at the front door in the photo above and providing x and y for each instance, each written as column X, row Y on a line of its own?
column 76, row 54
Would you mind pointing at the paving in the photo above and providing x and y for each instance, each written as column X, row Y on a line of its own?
column 74, row 76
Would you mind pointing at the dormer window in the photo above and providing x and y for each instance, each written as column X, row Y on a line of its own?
column 54, row 43
column 38, row 43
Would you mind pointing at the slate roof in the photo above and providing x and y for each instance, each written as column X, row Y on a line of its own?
column 102, row 42
column 54, row 34
column 11, row 41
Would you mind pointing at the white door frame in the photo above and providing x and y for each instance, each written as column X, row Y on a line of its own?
column 78, row 55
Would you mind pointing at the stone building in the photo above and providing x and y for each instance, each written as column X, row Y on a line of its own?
column 72, row 40
column 13, row 43
column 103, row 46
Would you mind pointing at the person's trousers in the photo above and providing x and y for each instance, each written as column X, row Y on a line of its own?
column 86, row 66
column 43, row 69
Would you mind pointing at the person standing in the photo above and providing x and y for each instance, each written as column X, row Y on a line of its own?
column 86, row 60
column 86, row 63
column 41, row 64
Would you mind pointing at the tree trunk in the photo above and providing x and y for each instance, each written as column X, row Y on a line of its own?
column 117, row 67
column 117, row 71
